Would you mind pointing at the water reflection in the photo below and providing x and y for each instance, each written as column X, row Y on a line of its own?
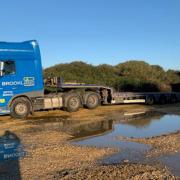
column 132, row 125
column 143, row 120
column 172, row 161
column 142, row 125
column 91, row 129
column 10, row 152
column 76, row 129
column 149, row 126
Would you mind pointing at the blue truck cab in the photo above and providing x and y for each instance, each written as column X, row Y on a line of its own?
column 20, row 76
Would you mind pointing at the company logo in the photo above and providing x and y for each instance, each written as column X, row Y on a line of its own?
column 28, row 81
column 12, row 83
column 7, row 93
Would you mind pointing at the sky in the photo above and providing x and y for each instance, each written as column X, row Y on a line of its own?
column 96, row 31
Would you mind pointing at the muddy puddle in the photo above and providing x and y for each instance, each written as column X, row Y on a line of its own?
column 141, row 125
column 137, row 125
column 104, row 133
column 173, row 162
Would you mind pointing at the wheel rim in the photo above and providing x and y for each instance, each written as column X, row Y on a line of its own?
column 150, row 100
column 92, row 100
column 74, row 102
column 20, row 109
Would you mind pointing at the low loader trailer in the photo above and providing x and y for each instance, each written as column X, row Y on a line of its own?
column 22, row 88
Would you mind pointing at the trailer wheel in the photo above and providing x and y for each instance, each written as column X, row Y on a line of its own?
column 20, row 108
column 173, row 99
column 162, row 99
column 73, row 103
column 92, row 101
column 150, row 100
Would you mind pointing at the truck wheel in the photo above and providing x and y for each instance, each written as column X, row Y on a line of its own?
column 162, row 99
column 20, row 108
column 92, row 101
column 150, row 100
column 73, row 103
column 173, row 99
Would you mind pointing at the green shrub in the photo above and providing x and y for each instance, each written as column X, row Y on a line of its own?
column 127, row 76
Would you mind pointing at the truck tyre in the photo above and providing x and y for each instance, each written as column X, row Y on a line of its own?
column 150, row 100
column 173, row 99
column 92, row 101
column 162, row 99
column 73, row 103
column 20, row 108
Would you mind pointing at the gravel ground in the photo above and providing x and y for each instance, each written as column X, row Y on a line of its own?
column 51, row 156
column 124, row 171
column 52, row 152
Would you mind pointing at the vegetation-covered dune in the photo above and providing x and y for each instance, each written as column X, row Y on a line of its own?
column 127, row 76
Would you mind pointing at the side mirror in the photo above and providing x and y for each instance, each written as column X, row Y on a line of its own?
column 1, row 68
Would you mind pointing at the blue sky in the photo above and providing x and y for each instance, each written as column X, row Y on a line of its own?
column 96, row 31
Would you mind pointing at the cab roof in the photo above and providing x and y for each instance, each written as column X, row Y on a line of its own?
column 19, row 50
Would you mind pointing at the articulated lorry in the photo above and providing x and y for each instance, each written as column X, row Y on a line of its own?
column 22, row 86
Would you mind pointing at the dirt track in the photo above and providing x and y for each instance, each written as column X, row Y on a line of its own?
column 51, row 156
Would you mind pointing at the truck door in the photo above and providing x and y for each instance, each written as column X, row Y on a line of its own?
column 7, row 81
